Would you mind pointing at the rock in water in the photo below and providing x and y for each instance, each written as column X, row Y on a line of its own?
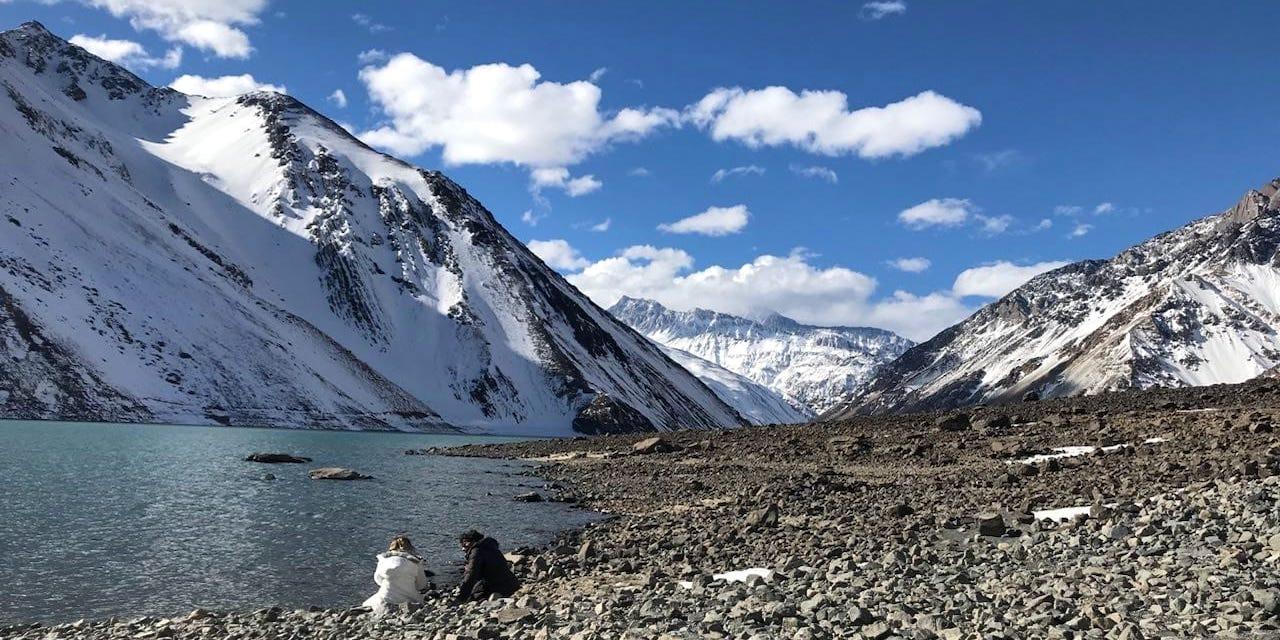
column 337, row 473
column 276, row 458
column 532, row 496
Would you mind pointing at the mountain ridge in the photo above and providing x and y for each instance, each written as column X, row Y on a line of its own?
column 812, row 367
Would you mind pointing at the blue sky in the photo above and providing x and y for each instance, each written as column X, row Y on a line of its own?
column 986, row 140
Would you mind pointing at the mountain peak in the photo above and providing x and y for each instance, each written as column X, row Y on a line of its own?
column 33, row 26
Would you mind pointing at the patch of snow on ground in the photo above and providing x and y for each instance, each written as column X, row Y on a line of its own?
column 1063, row 514
column 1066, row 452
column 736, row 576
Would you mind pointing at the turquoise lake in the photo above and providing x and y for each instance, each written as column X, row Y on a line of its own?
column 103, row 519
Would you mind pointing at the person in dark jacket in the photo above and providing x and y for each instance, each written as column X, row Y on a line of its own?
column 487, row 570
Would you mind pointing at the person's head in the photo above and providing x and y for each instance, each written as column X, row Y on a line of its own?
column 470, row 539
column 402, row 544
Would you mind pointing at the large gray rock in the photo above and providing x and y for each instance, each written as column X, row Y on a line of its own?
column 337, row 473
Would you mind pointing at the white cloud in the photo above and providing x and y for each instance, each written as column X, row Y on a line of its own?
column 127, row 52
column 369, row 23
column 558, row 254
column 1105, row 207
column 222, row 86
column 914, row 316
column 998, row 278
column 338, row 98
column 821, row 122
column 911, row 265
column 721, row 174
column 790, row 285
column 1067, row 210
column 602, row 226
column 815, row 171
column 994, row 225
column 640, row 172
column 558, row 178
column 938, row 212
column 881, row 8
column 496, row 113
column 1080, row 230
column 530, row 218
column 371, row 56
column 715, row 221
column 1044, row 223
column 210, row 25
column 597, row 74
column 995, row 160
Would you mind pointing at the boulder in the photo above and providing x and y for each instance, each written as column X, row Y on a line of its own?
column 337, row 473
column 655, row 444
column 276, row 458
column 991, row 524
column 532, row 496
column 1031, row 396
column 766, row 517
column 953, row 422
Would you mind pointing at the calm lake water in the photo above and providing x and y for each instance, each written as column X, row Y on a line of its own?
column 99, row 520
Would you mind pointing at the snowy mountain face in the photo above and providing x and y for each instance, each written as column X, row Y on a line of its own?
column 756, row 402
column 814, row 368
column 1196, row 306
column 245, row 261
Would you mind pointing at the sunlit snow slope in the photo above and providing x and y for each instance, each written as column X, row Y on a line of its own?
column 756, row 402
column 246, row 261
column 1196, row 306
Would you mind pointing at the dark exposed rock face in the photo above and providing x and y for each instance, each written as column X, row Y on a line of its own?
column 1189, row 307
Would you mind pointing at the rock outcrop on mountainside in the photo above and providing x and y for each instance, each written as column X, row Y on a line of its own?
column 246, row 261
column 1196, row 306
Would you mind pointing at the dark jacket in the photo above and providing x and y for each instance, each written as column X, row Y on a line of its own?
column 486, row 572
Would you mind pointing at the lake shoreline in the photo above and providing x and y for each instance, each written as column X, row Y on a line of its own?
column 919, row 526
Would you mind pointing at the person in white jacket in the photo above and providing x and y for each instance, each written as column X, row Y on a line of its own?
column 400, row 576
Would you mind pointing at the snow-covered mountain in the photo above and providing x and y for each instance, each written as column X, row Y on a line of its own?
column 246, row 261
column 1195, row 306
column 814, row 368
column 756, row 402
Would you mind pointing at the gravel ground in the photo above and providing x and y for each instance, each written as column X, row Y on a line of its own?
column 918, row 526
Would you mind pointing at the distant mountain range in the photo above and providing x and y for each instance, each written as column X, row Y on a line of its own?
column 1199, row 305
column 812, row 367
column 246, row 261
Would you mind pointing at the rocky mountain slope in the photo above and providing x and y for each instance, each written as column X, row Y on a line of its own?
column 813, row 367
column 246, row 261
column 1195, row 306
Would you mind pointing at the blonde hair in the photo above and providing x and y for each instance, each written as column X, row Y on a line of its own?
column 401, row 543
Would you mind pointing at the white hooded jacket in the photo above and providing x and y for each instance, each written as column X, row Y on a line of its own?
column 400, row 578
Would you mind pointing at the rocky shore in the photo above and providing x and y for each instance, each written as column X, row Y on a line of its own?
column 1162, row 520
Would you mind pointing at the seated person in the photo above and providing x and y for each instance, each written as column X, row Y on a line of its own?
column 487, row 571
column 400, row 576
